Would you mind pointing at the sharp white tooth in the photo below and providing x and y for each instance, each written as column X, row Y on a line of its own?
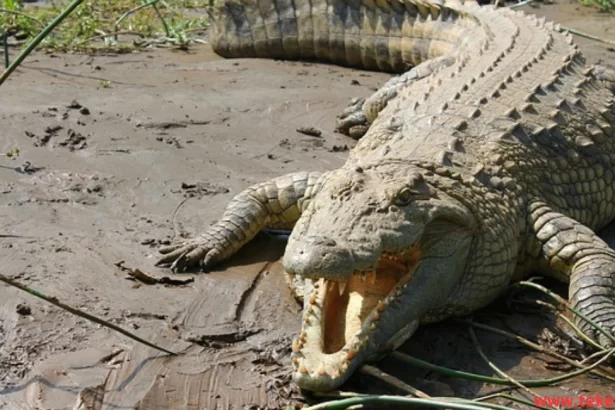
column 363, row 276
column 341, row 287
column 372, row 277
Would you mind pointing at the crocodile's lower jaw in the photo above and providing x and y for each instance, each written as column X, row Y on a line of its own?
column 340, row 317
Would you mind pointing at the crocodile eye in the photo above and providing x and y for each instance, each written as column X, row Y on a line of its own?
column 403, row 197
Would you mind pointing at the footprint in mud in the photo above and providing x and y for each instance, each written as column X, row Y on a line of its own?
column 170, row 141
column 70, row 187
column 74, row 140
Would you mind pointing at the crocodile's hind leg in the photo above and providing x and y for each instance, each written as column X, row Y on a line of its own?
column 356, row 119
column 570, row 251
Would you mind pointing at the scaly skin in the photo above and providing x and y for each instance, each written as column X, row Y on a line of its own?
column 492, row 157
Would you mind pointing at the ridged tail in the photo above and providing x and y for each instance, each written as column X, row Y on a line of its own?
column 382, row 35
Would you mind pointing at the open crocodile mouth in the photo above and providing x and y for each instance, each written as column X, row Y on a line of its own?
column 340, row 316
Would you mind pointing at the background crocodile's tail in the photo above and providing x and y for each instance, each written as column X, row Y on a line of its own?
column 384, row 35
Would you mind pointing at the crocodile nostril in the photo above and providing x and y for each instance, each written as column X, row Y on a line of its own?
column 324, row 241
column 321, row 241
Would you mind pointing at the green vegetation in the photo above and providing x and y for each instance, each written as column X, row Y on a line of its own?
column 110, row 25
column 603, row 5
column 12, row 154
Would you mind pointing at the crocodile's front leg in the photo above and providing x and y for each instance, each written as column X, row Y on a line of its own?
column 275, row 204
column 570, row 251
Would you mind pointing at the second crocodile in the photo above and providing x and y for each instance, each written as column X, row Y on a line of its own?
column 492, row 155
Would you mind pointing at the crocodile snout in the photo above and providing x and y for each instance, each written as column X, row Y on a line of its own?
column 317, row 257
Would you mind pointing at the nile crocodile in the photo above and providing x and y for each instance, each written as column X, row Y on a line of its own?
column 490, row 156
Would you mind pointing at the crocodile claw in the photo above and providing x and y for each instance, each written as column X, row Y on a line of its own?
column 352, row 121
column 188, row 254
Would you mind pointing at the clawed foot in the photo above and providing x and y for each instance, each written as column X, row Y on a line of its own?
column 188, row 254
column 352, row 121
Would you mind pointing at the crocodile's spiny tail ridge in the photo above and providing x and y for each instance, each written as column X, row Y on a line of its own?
column 383, row 35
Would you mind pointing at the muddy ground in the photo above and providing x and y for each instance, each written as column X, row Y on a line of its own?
column 121, row 153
